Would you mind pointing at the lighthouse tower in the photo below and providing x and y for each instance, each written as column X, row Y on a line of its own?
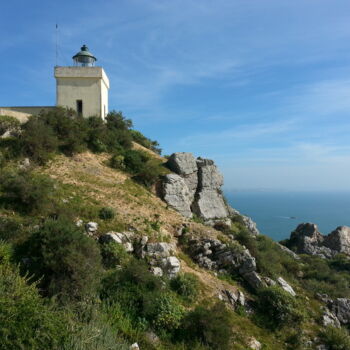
column 83, row 87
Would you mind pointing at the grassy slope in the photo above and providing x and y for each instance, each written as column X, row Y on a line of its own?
column 86, row 183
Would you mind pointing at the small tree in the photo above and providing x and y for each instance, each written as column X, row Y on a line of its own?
column 64, row 259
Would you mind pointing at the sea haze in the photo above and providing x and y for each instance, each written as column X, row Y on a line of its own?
column 277, row 214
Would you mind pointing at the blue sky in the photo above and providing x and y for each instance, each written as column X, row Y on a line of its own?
column 260, row 86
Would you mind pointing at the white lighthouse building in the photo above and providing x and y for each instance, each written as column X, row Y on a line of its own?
column 82, row 87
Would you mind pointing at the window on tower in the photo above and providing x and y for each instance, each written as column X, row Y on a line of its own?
column 80, row 107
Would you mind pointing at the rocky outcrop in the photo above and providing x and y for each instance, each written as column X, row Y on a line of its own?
column 339, row 240
column 340, row 307
column 195, row 188
column 306, row 239
column 215, row 255
column 177, row 194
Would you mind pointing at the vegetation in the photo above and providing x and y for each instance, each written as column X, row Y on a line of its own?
column 61, row 289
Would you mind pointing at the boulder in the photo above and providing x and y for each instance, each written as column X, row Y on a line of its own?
column 171, row 265
column 246, row 220
column 254, row 344
column 288, row 288
column 306, row 239
column 329, row 319
column 134, row 346
column 209, row 205
column 157, row 271
column 91, row 227
column 182, row 163
column 341, row 309
column 209, row 178
column 112, row 236
column 254, row 280
column 158, row 250
column 288, row 251
column 339, row 240
column 129, row 248
column 177, row 195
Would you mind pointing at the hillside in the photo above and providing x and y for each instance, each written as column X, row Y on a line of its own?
column 92, row 256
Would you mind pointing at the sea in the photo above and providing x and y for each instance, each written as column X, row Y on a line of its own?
column 278, row 213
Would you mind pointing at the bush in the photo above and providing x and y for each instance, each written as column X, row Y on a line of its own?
column 277, row 308
column 65, row 261
column 26, row 192
column 8, row 124
column 326, row 276
column 186, row 285
column 10, row 229
column 145, row 142
column 25, row 321
column 70, row 129
column 164, row 311
column 106, row 213
column 336, row 338
column 113, row 254
column 211, row 325
column 117, row 162
column 38, row 140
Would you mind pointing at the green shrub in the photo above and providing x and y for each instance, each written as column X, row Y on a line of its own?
column 326, row 276
column 145, row 142
column 336, row 338
column 106, row 213
column 186, row 285
column 65, row 261
column 25, row 321
column 70, row 129
column 149, row 173
column 8, row 123
column 278, row 308
column 134, row 160
column 26, row 192
column 10, row 228
column 38, row 140
column 117, row 162
column 210, row 325
column 164, row 311
column 114, row 254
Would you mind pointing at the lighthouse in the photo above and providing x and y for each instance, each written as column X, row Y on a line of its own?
column 83, row 86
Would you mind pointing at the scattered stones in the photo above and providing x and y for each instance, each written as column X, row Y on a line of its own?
column 286, row 286
column 215, row 255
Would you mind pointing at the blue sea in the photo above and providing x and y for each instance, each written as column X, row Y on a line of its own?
column 277, row 214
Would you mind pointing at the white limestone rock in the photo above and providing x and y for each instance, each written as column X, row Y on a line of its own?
column 177, row 195
column 286, row 286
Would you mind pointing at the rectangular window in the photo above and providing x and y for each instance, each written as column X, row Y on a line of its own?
column 80, row 107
